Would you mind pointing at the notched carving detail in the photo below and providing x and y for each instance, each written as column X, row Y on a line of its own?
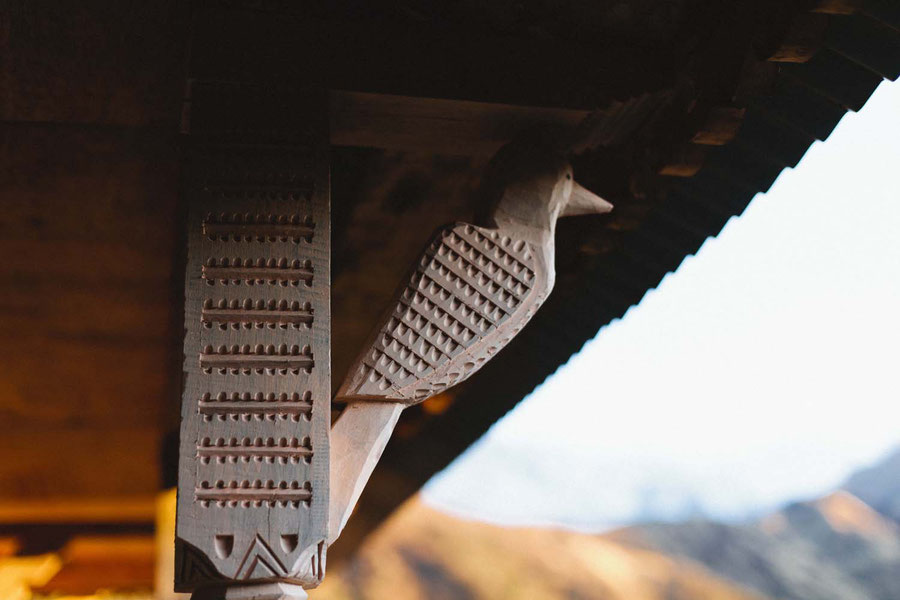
column 289, row 542
column 280, row 271
column 256, row 313
column 224, row 544
column 256, row 493
column 466, row 286
column 249, row 227
column 259, row 406
column 253, row 457
column 258, row 449
column 260, row 359
column 492, row 251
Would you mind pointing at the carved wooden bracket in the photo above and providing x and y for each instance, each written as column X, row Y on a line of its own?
column 259, row 497
column 254, row 455
column 473, row 289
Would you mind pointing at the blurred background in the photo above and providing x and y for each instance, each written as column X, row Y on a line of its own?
column 707, row 406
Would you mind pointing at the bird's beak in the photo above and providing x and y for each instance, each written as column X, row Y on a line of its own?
column 584, row 202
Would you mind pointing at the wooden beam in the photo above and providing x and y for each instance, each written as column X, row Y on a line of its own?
column 721, row 126
column 51, row 387
column 431, row 125
column 72, row 509
column 837, row 7
column 431, row 58
column 685, row 161
column 117, row 63
column 105, row 464
column 803, row 39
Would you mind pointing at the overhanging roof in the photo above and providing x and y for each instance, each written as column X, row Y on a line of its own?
column 692, row 119
column 781, row 108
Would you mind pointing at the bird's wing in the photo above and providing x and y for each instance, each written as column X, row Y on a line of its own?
column 471, row 291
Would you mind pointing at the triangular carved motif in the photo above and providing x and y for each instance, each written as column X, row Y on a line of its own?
column 260, row 562
column 260, row 569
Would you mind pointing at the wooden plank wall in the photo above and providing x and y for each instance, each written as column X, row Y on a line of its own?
column 89, row 108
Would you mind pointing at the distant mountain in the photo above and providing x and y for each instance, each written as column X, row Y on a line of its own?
column 422, row 553
column 835, row 548
column 879, row 485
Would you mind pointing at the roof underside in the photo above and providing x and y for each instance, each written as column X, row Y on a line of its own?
column 675, row 178
column 696, row 108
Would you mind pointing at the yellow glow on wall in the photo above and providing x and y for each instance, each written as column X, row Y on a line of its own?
column 19, row 574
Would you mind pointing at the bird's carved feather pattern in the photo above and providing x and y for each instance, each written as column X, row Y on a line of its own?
column 471, row 292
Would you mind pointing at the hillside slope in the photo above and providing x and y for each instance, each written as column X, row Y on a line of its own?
column 834, row 548
column 838, row 547
column 424, row 553
column 879, row 485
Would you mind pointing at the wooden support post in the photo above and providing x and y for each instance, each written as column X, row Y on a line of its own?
column 253, row 469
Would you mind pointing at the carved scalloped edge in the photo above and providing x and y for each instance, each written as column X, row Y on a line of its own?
column 249, row 406
column 257, row 493
column 259, row 358
column 249, row 313
column 259, row 397
column 250, row 271
column 283, row 450
column 194, row 570
column 259, row 350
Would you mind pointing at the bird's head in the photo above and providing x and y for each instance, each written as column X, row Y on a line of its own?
column 529, row 184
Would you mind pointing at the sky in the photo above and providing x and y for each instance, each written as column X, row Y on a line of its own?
column 764, row 370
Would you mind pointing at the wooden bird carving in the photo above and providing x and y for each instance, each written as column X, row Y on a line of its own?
column 474, row 288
